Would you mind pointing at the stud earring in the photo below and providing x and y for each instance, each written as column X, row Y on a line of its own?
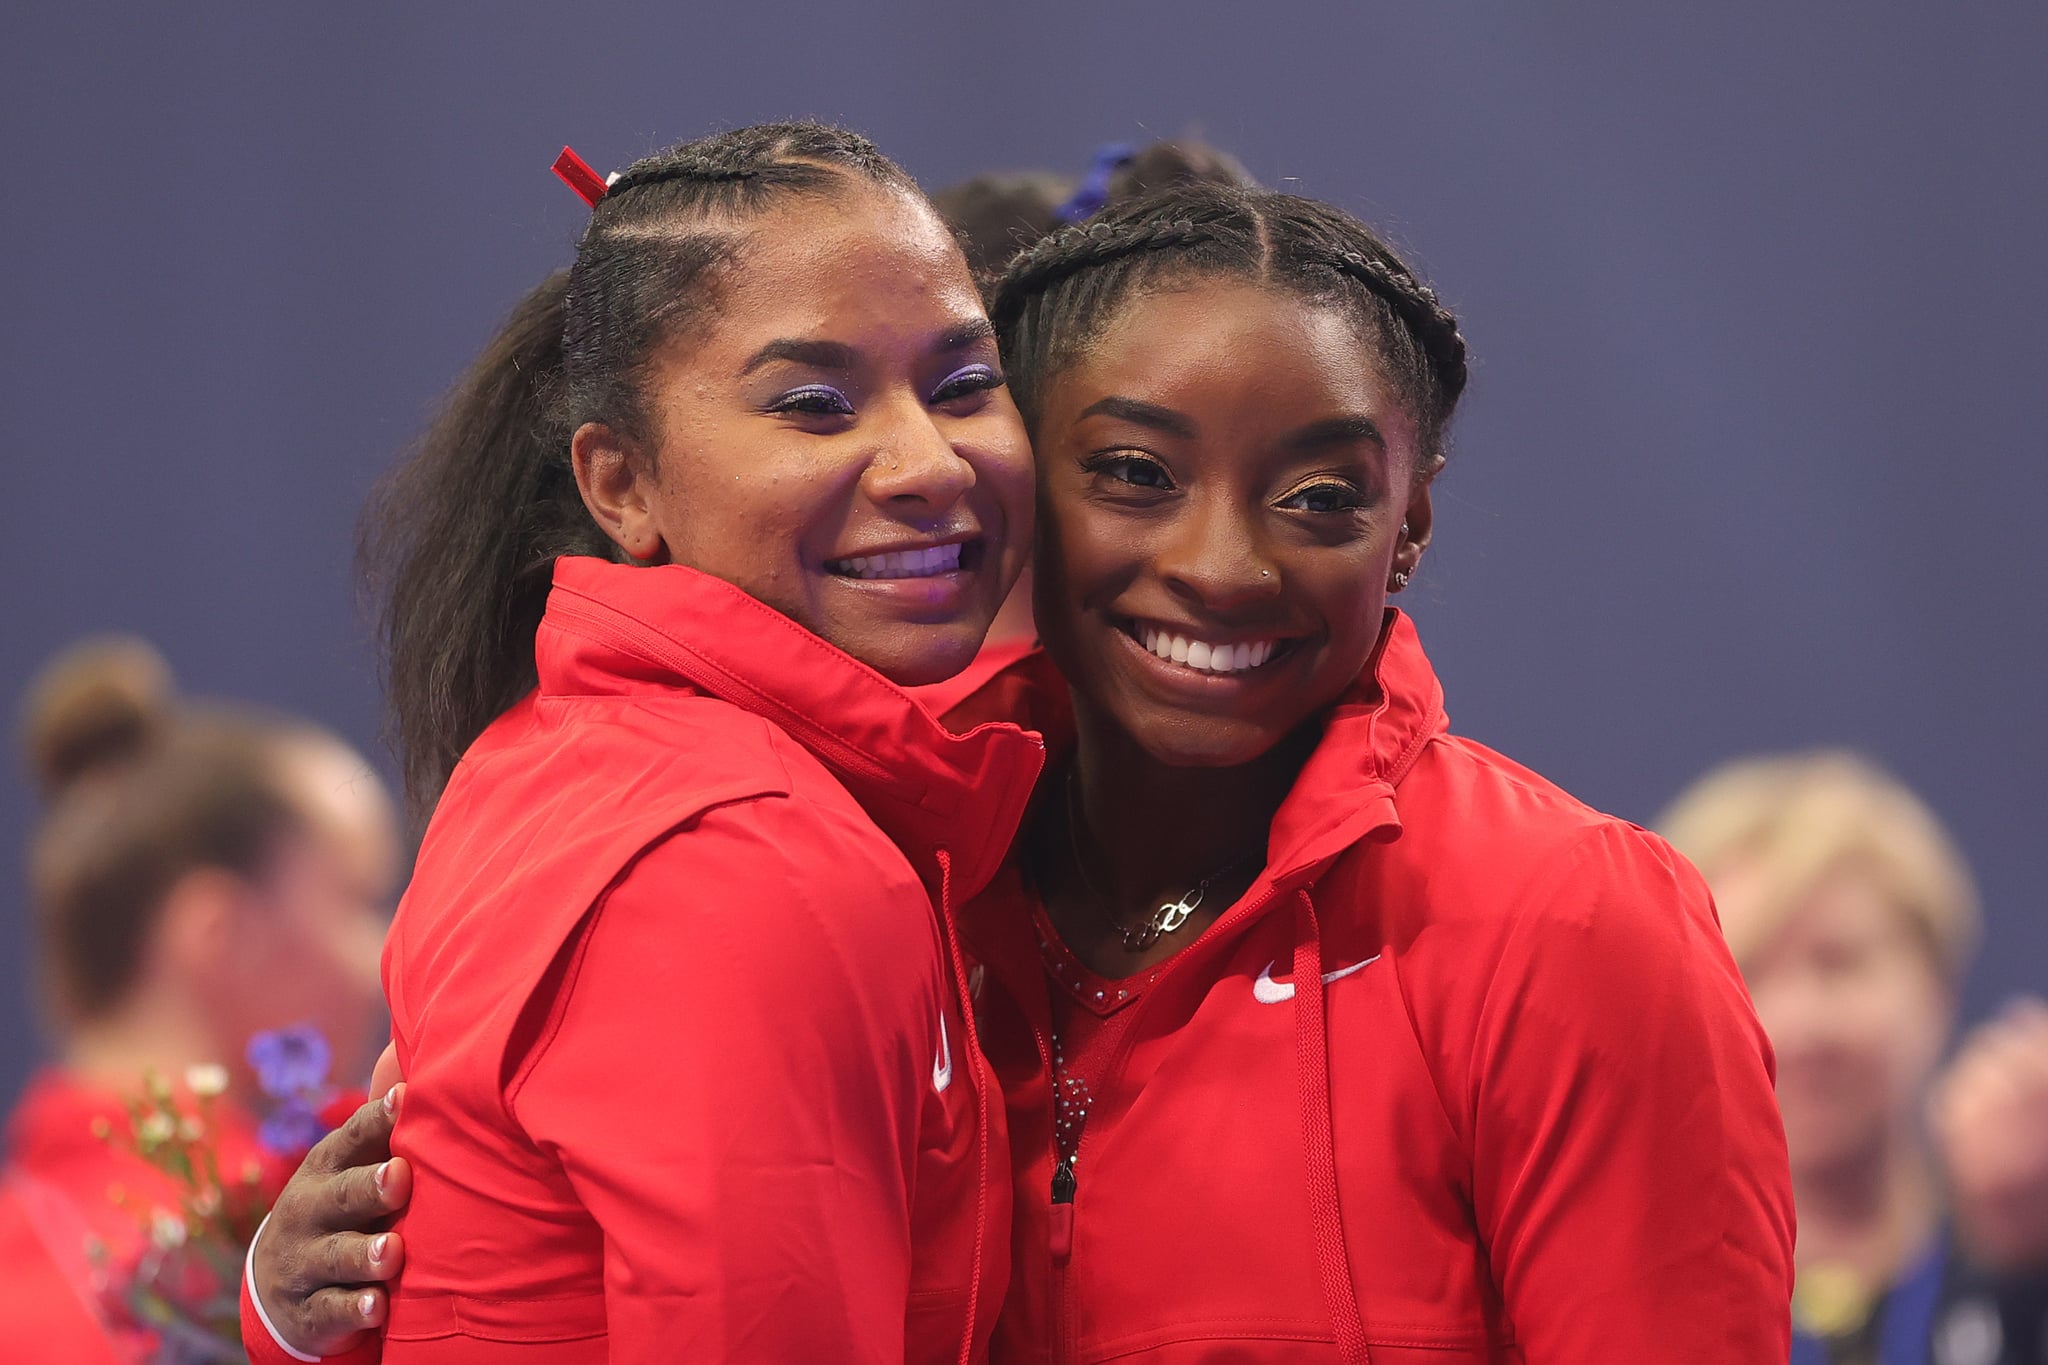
column 1404, row 530
column 1400, row 580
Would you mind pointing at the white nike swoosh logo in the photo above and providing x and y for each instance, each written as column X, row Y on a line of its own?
column 942, row 1069
column 1267, row 991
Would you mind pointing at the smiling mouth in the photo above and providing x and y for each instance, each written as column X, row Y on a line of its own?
column 925, row 563
column 1202, row 656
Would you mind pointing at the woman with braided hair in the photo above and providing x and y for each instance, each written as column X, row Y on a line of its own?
column 1323, row 1034
column 687, row 1071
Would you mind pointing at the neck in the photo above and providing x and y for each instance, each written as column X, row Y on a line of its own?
column 1870, row 1212
column 116, row 1051
column 1158, row 829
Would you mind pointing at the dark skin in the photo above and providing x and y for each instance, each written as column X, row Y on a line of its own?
column 1228, row 464
column 842, row 403
column 841, row 409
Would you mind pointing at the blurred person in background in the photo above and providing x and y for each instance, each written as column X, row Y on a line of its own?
column 202, row 875
column 1854, row 917
column 997, row 214
column 1000, row 213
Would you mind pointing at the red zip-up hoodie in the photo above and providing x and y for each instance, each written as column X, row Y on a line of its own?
column 687, row 1075
column 1467, row 1076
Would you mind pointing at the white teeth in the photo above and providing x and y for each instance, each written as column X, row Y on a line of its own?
column 1199, row 654
column 937, row 559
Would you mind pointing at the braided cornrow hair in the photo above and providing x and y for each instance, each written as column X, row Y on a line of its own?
column 1057, row 297
column 669, row 219
column 461, row 540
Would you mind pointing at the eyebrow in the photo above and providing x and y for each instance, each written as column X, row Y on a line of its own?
column 837, row 355
column 972, row 332
column 1144, row 414
column 819, row 355
column 1337, row 431
column 1328, row 431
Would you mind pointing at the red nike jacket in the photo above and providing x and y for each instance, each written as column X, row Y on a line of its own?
column 1467, row 1076
column 688, row 1078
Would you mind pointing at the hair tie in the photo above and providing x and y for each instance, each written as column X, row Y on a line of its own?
column 1089, row 199
column 581, row 177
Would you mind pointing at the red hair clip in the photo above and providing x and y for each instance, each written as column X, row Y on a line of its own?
column 579, row 176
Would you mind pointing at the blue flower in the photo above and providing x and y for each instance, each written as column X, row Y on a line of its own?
column 290, row 1062
column 291, row 1128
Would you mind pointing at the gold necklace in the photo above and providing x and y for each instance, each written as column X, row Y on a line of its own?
column 1168, row 918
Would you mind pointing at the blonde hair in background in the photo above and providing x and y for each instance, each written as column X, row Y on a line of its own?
column 1793, row 820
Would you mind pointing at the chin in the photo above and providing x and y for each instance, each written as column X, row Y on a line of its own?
column 917, row 656
column 1196, row 741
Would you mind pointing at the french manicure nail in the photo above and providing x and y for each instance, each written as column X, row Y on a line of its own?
column 383, row 1174
column 379, row 1245
column 367, row 1304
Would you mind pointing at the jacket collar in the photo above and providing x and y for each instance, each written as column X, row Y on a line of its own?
column 613, row 629
column 1346, row 791
column 1371, row 738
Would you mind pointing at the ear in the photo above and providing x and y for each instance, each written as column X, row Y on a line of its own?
column 196, row 931
column 615, row 480
column 1419, row 520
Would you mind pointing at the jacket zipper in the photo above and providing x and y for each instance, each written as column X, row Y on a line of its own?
column 1066, row 1186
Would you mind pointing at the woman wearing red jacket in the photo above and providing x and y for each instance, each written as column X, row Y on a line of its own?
column 1353, row 1039
column 688, row 1074
column 1324, row 1034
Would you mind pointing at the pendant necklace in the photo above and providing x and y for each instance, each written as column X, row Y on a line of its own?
column 1168, row 918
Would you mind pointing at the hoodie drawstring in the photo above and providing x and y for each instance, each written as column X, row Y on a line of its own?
column 1312, row 1055
column 969, row 1061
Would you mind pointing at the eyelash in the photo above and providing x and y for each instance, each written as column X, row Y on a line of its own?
column 968, row 381
column 1352, row 499
column 822, row 400
column 802, row 401
column 1116, row 464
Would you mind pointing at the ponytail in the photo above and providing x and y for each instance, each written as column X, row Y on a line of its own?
column 460, row 540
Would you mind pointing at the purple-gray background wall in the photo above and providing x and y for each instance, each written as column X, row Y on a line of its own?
column 1753, row 456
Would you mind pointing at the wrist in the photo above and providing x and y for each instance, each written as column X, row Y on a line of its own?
column 255, row 1294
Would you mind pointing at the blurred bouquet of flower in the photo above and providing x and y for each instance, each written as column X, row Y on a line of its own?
column 182, row 1294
